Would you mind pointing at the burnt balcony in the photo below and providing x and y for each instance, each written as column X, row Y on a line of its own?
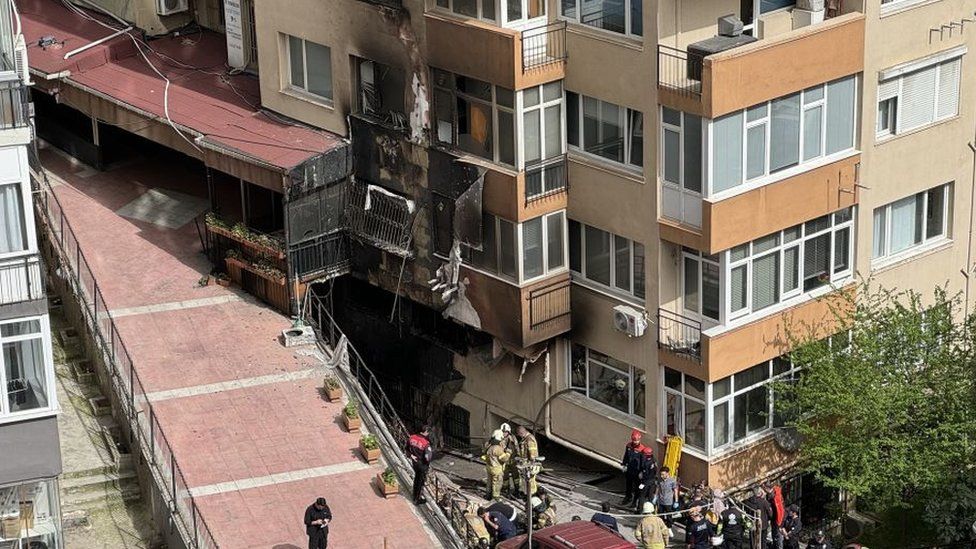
column 21, row 279
column 520, row 316
column 515, row 59
column 744, row 75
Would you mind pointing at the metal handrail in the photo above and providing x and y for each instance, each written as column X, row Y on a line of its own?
column 552, row 302
column 128, row 388
column 679, row 71
column 21, row 280
column 679, row 334
column 546, row 177
column 543, row 45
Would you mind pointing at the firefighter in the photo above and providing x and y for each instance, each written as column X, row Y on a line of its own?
column 648, row 478
column 528, row 450
column 631, row 464
column 543, row 510
column 651, row 532
column 495, row 459
column 420, row 452
column 510, row 482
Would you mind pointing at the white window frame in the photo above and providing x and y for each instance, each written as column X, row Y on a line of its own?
column 927, row 242
column 519, row 250
column 23, row 181
column 44, row 336
column 501, row 12
column 628, row 23
column 633, row 377
column 541, row 107
column 303, row 90
column 492, row 105
column 624, row 122
column 683, row 397
column 700, row 259
column 938, row 61
column 628, row 293
column 771, row 378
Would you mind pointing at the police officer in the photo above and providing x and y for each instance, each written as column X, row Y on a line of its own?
column 495, row 459
column 420, row 452
column 528, row 449
column 791, row 528
column 732, row 528
column 819, row 541
column 698, row 534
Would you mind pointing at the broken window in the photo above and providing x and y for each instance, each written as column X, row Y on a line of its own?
column 474, row 116
column 381, row 92
column 380, row 217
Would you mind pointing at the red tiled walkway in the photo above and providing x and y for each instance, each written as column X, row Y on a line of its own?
column 227, row 435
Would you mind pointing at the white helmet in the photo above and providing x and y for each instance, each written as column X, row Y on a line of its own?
column 648, row 508
column 506, row 428
column 498, row 435
column 718, row 540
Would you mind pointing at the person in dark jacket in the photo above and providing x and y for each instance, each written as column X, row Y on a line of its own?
column 605, row 518
column 819, row 541
column 791, row 528
column 505, row 509
column 317, row 519
column 699, row 532
column 498, row 524
column 420, row 452
column 631, row 464
column 758, row 504
column 648, row 479
column 733, row 528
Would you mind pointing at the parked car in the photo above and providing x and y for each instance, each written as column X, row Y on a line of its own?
column 580, row 534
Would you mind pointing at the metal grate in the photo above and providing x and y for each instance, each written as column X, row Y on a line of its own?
column 379, row 218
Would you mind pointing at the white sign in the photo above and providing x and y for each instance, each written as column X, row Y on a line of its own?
column 234, row 30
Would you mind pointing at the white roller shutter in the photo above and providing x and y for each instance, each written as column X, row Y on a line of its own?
column 948, row 104
column 917, row 99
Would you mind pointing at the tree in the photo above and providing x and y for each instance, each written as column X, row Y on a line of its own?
column 887, row 414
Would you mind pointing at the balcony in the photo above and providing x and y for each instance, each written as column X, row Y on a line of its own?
column 21, row 280
column 14, row 104
column 520, row 316
column 743, row 76
column 515, row 59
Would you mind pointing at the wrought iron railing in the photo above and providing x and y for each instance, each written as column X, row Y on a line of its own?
column 144, row 429
column 14, row 105
column 543, row 46
column 325, row 255
column 446, row 515
column 21, row 279
column 546, row 178
column 548, row 303
column 379, row 217
column 679, row 70
column 679, row 334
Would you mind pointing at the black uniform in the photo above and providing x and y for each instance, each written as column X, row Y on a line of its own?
column 318, row 536
column 698, row 534
column 648, row 477
column 633, row 461
column 733, row 529
column 760, row 504
column 421, row 453
column 814, row 544
column 791, row 526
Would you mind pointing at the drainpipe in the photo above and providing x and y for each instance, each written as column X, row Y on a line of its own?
column 969, row 242
column 97, row 42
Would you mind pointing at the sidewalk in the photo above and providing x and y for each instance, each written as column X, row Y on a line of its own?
column 253, row 437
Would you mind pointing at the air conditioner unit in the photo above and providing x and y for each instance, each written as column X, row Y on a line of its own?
column 629, row 320
column 169, row 7
column 20, row 60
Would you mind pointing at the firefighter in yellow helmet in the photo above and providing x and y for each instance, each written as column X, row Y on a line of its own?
column 528, row 450
column 511, row 481
column 495, row 459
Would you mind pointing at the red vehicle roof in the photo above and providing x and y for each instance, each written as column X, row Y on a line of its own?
column 580, row 534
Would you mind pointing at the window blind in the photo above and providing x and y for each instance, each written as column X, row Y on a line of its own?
column 948, row 102
column 765, row 281
column 917, row 99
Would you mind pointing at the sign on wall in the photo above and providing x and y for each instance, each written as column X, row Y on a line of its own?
column 234, row 29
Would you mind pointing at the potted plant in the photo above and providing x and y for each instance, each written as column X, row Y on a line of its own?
column 333, row 391
column 350, row 417
column 369, row 447
column 387, row 482
column 222, row 279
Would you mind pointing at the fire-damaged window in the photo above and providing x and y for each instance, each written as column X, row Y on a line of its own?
column 381, row 91
column 521, row 252
column 474, row 116
column 317, row 245
column 380, row 217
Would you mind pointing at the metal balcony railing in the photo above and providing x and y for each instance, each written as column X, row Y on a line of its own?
column 546, row 178
column 679, row 334
column 325, row 255
column 679, row 71
column 548, row 303
column 543, row 46
column 21, row 279
column 14, row 105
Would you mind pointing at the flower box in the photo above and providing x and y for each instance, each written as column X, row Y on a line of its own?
column 352, row 424
column 387, row 490
column 371, row 455
column 259, row 249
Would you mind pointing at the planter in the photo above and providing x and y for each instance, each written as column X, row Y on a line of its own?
column 352, row 423
column 386, row 490
column 334, row 394
column 223, row 282
column 370, row 455
column 235, row 268
column 100, row 405
column 260, row 249
column 83, row 372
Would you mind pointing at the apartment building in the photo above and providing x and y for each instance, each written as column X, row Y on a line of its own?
column 31, row 455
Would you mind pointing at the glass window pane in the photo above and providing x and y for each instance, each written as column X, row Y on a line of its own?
column 765, row 243
column 781, row 365
column 816, row 225
column 506, row 137
column 474, row 128
column 319, row 69
column 532, row 248
column 603, row 135
column 671, row 116
column 23, row 363
column 816, row 262
column 504, row 97
column 295, row 58
column 552, row 91
column 752, row 376
column 636, row 18
column 597, row 255
column 20, row 328
column 554, row 131
column 737, row 289
column 710, row 290
column 609, row 386
column 672, row 379
column 720, row 430
column 756, row 151
column 695, row 424
column 488, row 9
column 935, row 213
column 473, row 87
column 577, row 376
column 840, row 115
column 639, row 387
column 621, row 255
column 812, row 128
column 722, row 388
column 694, row 387
column 635, row 121
column 639, row 270
column 691, row 280
column 575, row 252
column 903, row 220
column 444, row 113
column 842, row 250
column 757, row 112
column 879, row 228
column 506, row 241
column 572, row 119
column 673, row 414
column 766, row 6
column 812, row 95
column 672, row 157
column 791, row 269
column 514, row 9
column 727, row 152
column 530, row 97
column 739, row 252
column 554, row 237
column 532, row 136
column 784, row 133
column 693, row 153
column 466, row 7
column 793, row 233
column 758, row 409
column 765, row 281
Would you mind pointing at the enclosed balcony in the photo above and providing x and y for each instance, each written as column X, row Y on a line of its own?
column 21, row 279
column 750, row 71
column 525, row 54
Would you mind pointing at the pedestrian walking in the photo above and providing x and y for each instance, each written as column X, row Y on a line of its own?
column 791, row 528
column 495, row 459
column 605, row 518
column 317, row 519
column 733, row 528
column 421, row 454
column 666, row 495
column 631, row 464
column 651, row 531
column 528, row 449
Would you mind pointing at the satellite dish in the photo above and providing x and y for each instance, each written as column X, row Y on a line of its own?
column 788, row 439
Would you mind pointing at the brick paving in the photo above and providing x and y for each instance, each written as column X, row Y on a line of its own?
column 225, row 435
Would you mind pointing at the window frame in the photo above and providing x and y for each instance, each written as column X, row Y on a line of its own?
column 494, row 107
column 926, row 241
column 771, row 378
column 624, row 120
column 361, row 105
column 541, row 108
column 612, row 287
column 633, row 374
column 303, row 89
column 628, row 6
column 47, row 357
column 519, row 251
column 26, row 220
column 940, row 60
column 683, row 397
column 501, row 11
